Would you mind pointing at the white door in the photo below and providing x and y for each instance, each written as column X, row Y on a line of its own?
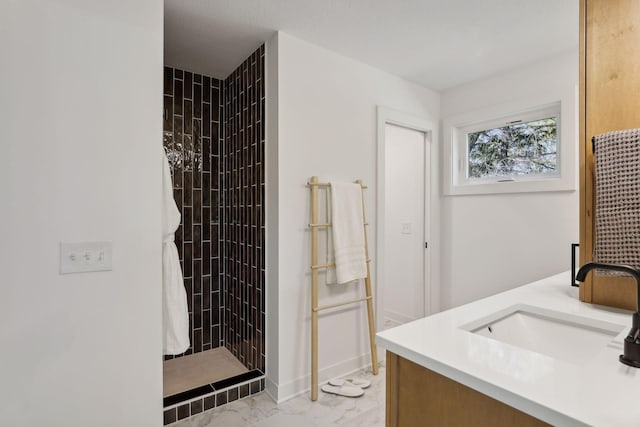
column 406, row 174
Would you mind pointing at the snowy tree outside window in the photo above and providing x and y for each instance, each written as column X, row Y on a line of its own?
column 519, row 148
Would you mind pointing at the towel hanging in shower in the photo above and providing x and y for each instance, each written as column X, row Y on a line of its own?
column 174, row 296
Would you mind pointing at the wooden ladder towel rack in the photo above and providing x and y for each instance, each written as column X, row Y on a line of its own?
column 314, row 184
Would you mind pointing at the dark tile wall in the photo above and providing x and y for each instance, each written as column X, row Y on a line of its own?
column 214, row 138
column 191, row 137
column 242, row 225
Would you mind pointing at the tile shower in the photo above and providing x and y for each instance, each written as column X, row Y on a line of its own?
column 213, row 133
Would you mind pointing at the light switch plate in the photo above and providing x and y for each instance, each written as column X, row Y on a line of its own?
column 83, row 257
column 405, row 228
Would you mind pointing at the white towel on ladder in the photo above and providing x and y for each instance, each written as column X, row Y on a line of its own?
column 348, row 231
column 174, row 296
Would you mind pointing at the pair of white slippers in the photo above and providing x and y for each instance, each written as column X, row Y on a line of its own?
column 347, row 387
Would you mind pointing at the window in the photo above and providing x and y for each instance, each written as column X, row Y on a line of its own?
column 512, row 152
column 513, row 147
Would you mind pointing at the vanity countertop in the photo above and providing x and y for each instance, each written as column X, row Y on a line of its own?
column 600, row 391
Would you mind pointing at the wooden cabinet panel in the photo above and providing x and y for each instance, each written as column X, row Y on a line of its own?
column 609, row 100
column 417, row 396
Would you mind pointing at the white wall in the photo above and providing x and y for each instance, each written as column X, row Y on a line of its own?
column 491, row 243
column 404, row 175
column 80, row 114
column 326, row 127
column 271, row 215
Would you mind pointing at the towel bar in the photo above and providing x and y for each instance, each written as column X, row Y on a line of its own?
column 326, row 224
column 324, row 307
column 331, row 265
column 326, row 184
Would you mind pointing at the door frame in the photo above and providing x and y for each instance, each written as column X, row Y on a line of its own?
column 432, row 207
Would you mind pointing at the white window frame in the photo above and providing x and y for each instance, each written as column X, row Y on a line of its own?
column 455, row 130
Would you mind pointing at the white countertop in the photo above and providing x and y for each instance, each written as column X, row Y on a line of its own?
column 598, row 392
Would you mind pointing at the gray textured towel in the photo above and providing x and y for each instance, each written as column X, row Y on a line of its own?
column 618, row 197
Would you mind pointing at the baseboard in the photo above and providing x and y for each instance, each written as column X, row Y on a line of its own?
column 271, row 389
column 388, row 324
column 291, row 389
column 396, row 317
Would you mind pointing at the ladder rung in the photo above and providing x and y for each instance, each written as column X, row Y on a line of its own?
column 332, row 265
column 326, row 184
column 327, row 224
column 315, row 267
column 324, row 307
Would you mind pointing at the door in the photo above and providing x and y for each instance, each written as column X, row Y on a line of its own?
column 405, row 237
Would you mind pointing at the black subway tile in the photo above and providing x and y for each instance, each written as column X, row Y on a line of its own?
column 221, row 398
column 197, row 340
column 170, row 416
column 209, row 402
column 244, row 390
column 177, row 98
column 196, row 407
column 188, row 117
column 168, row 81
column 187, row 395
column 188, row 84
column 197, row 101
column 167, row 116
column 183, row 411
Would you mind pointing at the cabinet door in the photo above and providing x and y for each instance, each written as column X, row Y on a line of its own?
column 609, row 100
column 417, row 396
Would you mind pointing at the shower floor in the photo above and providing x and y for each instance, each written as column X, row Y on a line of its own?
column 195, row 370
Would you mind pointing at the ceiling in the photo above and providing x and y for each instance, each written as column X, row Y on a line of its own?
column 437, row 43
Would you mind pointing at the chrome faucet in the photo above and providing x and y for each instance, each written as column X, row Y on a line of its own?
column 631, row 354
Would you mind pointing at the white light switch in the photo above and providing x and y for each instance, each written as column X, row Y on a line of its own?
column 405, row 228
column 84, row 257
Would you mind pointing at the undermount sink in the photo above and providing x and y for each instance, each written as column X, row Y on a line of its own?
column 571, row 338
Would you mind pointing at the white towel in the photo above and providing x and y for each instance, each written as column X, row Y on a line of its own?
column 348, row 231
column 174, row 301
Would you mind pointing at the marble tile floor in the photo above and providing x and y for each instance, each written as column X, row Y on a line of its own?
column 388, row 324
column 328, row 410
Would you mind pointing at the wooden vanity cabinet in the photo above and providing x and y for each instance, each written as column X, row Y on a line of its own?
column 419, row 397
column 609, row 100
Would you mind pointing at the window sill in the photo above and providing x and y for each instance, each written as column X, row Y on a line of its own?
column 524, row 186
